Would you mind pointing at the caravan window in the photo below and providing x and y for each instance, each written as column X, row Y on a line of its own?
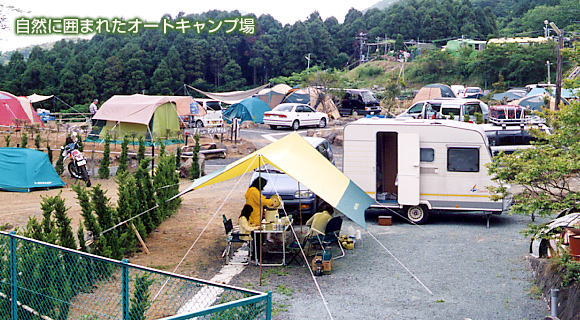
column 463, row 159
column 427, row 155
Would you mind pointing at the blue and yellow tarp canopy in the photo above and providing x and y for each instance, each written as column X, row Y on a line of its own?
column 298, row 159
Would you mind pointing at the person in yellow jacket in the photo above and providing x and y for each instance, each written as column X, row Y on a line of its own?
column 319, row 220
column 255, row 199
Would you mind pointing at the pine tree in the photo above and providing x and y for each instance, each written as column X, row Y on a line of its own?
column 106, row 219
column 146, row 196
column 89, row 220
column 24, row 140
column 141, row 150
column 37, row 141
column 59, row 166
column 49, row 152
column 140, row 302
column 81, row 239
column 177, row 158
column 48, row 226
column 33, row 229
column 80, row 143
column 124, row 156
column 126, row 207
column 62, row 223
column 195, row 170
column 104, row 164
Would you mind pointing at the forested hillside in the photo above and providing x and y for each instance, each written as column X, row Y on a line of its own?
column 154, row 62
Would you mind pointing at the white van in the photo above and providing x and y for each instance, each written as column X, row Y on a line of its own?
column 421, row 165
column 213, row 118
column 443, row 108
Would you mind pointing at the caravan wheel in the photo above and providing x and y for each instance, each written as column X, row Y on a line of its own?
column 418, row 214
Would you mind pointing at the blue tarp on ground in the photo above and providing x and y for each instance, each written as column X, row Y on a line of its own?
column 23, row 170
column 249, row 109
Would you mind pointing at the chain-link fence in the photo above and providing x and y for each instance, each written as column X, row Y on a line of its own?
column 43, row 281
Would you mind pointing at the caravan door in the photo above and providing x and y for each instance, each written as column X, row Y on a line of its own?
column 408, row 177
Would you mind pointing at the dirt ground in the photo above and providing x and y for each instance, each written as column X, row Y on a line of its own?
column 194, row 235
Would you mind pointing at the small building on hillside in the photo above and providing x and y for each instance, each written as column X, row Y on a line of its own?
column 454, row 46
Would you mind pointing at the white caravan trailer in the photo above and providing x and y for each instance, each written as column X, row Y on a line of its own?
column 421, row 165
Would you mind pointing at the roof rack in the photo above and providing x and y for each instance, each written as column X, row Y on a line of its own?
column 512, row 115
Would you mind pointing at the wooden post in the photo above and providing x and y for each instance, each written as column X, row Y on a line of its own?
column 139, row 238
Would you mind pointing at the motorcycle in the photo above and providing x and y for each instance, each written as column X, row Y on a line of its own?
column 78, row 163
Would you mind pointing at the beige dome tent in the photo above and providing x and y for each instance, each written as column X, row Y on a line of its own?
column 316, row 98
column 273, row 96
column 432, row 91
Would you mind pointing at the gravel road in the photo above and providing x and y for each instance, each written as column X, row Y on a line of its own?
column 468, row 272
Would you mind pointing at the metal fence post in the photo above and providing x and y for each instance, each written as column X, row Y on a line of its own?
column 13, row 278
column 269, row 308
column 554, row 302
column 125, row 290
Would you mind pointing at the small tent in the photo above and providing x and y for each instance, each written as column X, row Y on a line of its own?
column 148, row 115
column 16, row 110
column 273, row 96
column 23, row 170
column 316, row 98
column 537, row 102
column 249, row 109
column 432, row 91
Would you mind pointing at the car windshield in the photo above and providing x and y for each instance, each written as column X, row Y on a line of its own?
column 368, row 96
column 214, row 105
column 283, row 107
column 472, row 90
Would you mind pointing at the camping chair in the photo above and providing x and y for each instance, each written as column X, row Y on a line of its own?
column 232, row 237
column 330, row 236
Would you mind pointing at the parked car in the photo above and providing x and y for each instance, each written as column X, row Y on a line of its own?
column 443, row 108
column 358, row 102
column 473, row 92
column 295, row 196
column 509, row 139
column 295, row 115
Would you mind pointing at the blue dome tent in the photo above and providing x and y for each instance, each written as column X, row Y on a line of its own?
column 249, row 109
column 23, row 170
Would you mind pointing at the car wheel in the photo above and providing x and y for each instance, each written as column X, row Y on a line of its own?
column 418, row 214
column 199, row 124
column 322, row 123
column 295, row 125
column 273, row 127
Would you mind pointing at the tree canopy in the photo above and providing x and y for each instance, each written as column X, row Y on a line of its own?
column 154, row 62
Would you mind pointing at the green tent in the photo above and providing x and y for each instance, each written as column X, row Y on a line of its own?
column 152, row 116
column 249, row 109
column 23, row 170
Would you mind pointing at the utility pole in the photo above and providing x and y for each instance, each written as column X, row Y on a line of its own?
column 361, row 37
column 558, row 64
column 548, row 63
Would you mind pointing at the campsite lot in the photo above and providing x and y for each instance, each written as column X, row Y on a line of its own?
column 473, row 273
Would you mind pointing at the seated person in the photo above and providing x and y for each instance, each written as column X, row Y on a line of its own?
column 246, row 227
column 319, row 220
